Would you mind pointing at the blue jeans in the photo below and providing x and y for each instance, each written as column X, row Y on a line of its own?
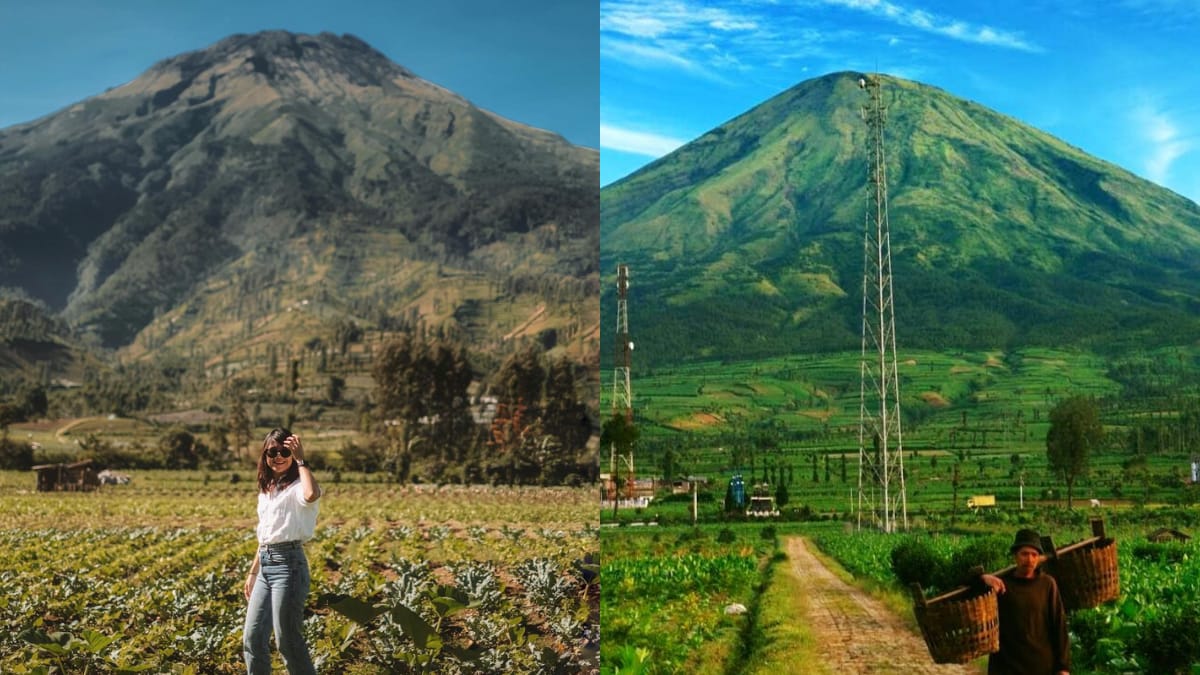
column 277, row 602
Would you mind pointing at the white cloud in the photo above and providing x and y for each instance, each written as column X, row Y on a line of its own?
column 636, row 53
column 637, row 142
column 676, row 34
column 1165, row 144
column 938, row 25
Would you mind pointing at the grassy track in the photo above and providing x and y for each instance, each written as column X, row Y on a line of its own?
column 782, row 643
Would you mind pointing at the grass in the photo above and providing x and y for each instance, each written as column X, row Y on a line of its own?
column 783, row 644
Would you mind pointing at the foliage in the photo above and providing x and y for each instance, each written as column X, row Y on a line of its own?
column 1075, row 431
column 689, row 227
column 662, row 600
column 914, row 560
column 521, row 378
column 1151, row 627
column 440, row 563
column 424, row 386
column 14, row 455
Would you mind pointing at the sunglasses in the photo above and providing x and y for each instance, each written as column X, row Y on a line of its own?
column 276, row 452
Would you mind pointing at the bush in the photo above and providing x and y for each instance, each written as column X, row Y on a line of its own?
column 915, row 561
column 1166, row 552
column 364, row 459
column 726, row 536
column 1170, row 638
column 15, row 455
column 991, row 552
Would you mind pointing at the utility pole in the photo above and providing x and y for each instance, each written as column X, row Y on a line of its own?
column 882, row 498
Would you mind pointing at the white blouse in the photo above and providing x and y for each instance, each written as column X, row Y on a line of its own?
column 284, row 515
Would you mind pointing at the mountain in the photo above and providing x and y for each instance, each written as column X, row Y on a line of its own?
column 747, row 241
column 274, row 186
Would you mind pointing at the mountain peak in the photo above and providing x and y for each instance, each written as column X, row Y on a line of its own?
column 121, row 205
column 767, row 210
column 292, row 64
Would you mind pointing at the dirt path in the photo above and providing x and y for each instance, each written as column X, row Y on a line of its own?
column 854, row 632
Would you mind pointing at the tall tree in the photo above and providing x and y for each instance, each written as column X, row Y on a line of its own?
column 521, row 378
column 620, row 434
column 564, row 416
column 1075, row 430
column 239, row 424
column 424, row 388
column 398, row 389
column 449, row 403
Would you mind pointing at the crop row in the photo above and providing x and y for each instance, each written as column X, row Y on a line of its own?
column 1153, row 627
column 666, row 592
column 439, row 592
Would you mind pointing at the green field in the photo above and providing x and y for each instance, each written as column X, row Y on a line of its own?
column 662, row 614
column 983, row 414
column 665, row 594
column 150, row 576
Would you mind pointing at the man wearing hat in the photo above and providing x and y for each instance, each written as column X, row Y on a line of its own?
column 1033, row 623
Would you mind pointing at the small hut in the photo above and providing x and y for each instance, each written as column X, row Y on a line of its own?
column 76, row 477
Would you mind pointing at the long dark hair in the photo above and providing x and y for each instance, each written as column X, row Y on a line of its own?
column 266, row 477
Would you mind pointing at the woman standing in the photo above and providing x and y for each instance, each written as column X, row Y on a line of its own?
column 277, row 585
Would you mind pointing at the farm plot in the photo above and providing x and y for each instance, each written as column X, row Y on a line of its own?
column 665, row 596
column 1154, row 627
column 403, row 580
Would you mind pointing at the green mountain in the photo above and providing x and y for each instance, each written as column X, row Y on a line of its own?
column 274, row 188
column 747, row 242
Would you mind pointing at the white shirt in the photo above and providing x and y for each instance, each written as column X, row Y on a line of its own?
column 284, row 515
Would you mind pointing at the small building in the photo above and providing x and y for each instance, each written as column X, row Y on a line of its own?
column 638, row 488
column 684, row 486
column 762, row 504
column 76, row 477
column 762, row 507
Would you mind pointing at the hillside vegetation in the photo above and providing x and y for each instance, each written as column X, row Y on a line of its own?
column 747, row 242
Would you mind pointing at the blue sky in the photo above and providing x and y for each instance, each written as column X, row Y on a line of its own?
column 1115, row 78
column 533, row 61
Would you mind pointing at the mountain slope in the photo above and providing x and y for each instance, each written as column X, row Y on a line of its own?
column 748, row 240
column 286, row 163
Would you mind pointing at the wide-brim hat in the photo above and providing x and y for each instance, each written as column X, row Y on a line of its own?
column 1026, row 538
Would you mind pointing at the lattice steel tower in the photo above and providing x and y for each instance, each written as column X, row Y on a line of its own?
column 622, row 396
column 882, row 497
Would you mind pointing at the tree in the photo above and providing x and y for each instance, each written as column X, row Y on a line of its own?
column 218, row 438
column 521, row 377
column 564, row 415
column 448, row 406
column 34, row 402
column 1075, row 430
column 423, row 386
column 399, row 390
column 239, row 425
column 618, row 433
column 781, row 495
column 334, row 390
column 181, row 450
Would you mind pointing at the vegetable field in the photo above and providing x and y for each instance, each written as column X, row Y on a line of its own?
column 1154, row 627
column 404, row 579
column 665, row 592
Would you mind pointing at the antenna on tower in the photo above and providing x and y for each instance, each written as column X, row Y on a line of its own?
column 622, row 397
column 882, row 497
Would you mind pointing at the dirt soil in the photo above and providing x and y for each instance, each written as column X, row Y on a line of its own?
column 854, row 632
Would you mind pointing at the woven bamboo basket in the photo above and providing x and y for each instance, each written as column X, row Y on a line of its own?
column 961, row 626
column 1087, row 576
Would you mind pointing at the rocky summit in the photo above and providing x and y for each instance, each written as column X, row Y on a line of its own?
column 275, row 168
